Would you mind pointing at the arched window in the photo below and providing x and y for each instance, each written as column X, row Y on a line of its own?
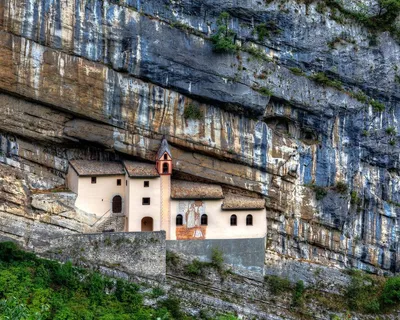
column 179, row 220
column 249, row 220
column 165, row 168
column 165, row 156
column 204, row 220
column 117, row 204
column 233, row 220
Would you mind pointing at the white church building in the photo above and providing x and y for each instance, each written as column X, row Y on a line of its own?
column 146, row 198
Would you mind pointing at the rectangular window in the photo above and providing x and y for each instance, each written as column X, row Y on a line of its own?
column 147, row 184
column 94, row 180
column 118, row 182
column 145, row 201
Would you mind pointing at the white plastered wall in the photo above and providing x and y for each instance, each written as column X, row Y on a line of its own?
column 219, row 221
column 137, row 211
column 97, row 197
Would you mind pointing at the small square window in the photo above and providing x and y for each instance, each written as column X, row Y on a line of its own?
column 145, row 201
column 94, row 180
column 146, row 184
column 118, row 182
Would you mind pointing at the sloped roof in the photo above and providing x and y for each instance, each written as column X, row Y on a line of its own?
column 140, row 169
column 164, row 147
column 194, row 190
column 235, row 202
column 97, row 168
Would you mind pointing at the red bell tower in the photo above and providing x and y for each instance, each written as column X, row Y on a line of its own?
column 164, row 159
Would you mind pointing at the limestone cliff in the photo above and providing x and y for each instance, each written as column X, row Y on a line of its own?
column 304, row 113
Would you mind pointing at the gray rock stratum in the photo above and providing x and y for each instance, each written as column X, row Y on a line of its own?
column 105, row 79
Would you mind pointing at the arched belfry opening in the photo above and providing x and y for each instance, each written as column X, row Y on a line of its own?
column 164, row 159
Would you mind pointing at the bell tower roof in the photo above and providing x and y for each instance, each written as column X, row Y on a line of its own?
column 164, row 148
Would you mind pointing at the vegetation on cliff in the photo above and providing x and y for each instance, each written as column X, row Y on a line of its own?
column 34, row 288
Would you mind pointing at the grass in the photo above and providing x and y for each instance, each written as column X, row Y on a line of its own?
column 265, row 91
column 297, row 71
column 322, row 79
column 377, row 106
column 391, row 131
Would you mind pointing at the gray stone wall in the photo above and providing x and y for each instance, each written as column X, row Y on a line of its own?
column 139, row 254
column 246, row 256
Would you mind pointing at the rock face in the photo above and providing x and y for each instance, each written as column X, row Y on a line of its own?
column 94, row 79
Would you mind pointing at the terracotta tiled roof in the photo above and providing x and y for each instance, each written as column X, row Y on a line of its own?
column 235, row 202
column 193, row 190
column 140, row 169
column 164, row 147
column 97, row 168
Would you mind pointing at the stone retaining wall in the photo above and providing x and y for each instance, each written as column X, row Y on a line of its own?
column 124, row 254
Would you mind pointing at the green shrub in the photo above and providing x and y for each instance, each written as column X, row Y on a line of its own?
column 277, row 285
column 391, row 291
column 157, row 292
column 224, row 38
column 172, row 258
column 322, row 79
column 34, row 288
column 377, row 106
column 192, row 112
column 265, row 91
column 262, row 31
column 360, row 96
column 341, row 187
column 298, row 292
column 391, row 131
column 256, row 53
column 172, row 304
column 217, row 258
column 363, row 293
column 297, row 71
column 320, row 192
column 354, row 198
column 195, row 268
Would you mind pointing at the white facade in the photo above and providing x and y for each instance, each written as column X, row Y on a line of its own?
column 96, row 197
column 136, row 192
column 144, row 194
column 218, row 221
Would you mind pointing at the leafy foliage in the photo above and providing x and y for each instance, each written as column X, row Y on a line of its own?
column 195, row 268
column 192, row 112
column 363, row 292
column 277, row 285
column 217, row 258
column 377, row 106
column 298, row 292
column 224, row 38
column 391, row 291
column 34, row 288
column 322, row 79
column 297, row 71
column 341, row 187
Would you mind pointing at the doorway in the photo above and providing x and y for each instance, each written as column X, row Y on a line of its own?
column 147, row 224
